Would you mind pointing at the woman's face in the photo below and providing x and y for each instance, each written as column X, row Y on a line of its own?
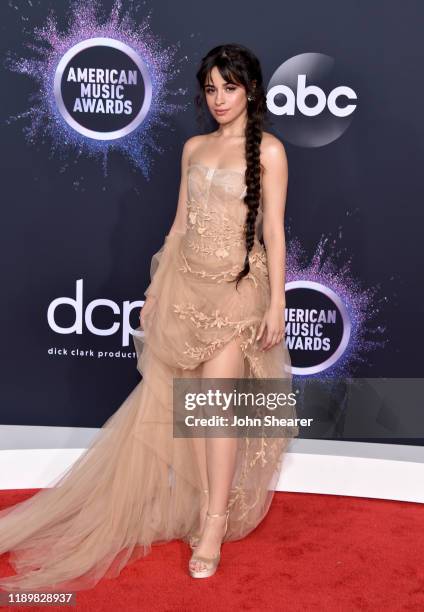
column 226, row 101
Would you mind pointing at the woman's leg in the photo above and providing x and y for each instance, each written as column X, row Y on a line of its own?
column 200, row 452
column 199, row 445
column 220, row 456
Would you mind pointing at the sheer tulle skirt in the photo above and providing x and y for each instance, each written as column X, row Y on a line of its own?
column 137, row 484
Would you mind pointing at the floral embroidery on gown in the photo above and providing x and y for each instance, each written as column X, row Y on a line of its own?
column 137, row 485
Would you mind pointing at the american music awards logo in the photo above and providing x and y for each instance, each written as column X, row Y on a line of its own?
column 331, row 320
column 318, row 326
column 101, row 86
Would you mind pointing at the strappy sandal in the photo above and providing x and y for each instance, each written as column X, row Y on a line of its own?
column 194, row 539
column 210, row 562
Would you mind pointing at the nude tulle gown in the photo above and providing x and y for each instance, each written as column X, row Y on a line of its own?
column 136, row 484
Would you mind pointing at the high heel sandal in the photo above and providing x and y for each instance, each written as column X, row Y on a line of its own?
column 212, row 562
column 194, row 539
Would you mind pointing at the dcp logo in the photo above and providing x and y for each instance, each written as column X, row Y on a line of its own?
column 118, row 317
column 313, row 109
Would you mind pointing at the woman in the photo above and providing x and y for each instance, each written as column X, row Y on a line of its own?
column 214, row 309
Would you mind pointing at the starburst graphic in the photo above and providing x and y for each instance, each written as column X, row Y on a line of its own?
column 48, row 46
column 362, row 304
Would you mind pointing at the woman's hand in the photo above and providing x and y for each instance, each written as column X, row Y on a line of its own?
column 146, row 308
column 273, row 323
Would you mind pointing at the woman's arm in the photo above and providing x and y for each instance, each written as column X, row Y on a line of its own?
column 180, row 221
column 274, row 194
column 163, row 257
column 274, row 185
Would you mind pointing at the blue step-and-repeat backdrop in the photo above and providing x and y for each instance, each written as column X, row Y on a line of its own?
column 90, row 173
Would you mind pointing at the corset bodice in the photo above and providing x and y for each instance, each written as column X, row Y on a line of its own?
column 216, row 215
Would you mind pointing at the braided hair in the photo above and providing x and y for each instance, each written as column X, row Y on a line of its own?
column 239, row 65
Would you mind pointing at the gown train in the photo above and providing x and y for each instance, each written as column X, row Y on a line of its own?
column 137, row 484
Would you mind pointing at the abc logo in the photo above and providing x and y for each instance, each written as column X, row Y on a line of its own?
column 302, row 92
column 312, row 108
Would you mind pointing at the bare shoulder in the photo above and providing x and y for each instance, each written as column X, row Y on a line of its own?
column 273, row 153
column 192, row 143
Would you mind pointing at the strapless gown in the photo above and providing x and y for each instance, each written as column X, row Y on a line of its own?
column 137, row 484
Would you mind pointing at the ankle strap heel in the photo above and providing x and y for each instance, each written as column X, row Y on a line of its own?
column 226, row 514
column 210, row 562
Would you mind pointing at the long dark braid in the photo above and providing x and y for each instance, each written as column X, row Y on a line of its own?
column 239, row 65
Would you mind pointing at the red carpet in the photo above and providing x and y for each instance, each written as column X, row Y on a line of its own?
column 312, row 552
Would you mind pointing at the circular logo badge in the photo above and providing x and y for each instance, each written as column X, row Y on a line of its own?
column 318, row 326
column 102, row 88
column 311, row 108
